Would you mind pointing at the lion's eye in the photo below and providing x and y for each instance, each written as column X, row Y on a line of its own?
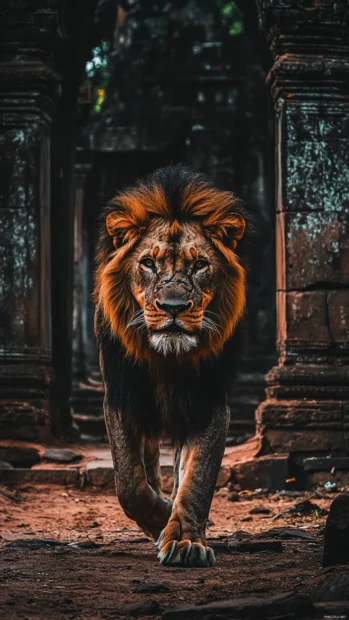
column 148, row 262
column 200, row 264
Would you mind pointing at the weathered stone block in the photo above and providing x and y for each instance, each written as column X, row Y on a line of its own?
column 312, row 249
column 303, row 168
column 61, row 455
column 269, row 472
column 100, row 473
column 326, row 463
column 305, row 316
column 338, row 313
column 20, row 165
column 20, row 259
column 39, row 476
column 314, row 382
column 304, row 440
column 314, row 146
column 295, row 415
column 24, row 456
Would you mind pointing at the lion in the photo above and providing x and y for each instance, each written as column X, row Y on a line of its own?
column 170, row 299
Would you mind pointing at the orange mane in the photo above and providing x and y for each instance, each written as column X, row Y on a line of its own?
column 175, row 195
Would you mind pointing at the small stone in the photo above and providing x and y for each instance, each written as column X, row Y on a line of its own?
column 152, row 588
column 289, row 605
column 259, row 510
column 247, row 519
column 87, row 544
column 336, row 538
column 306, row 507
column 256, row 546
column 5, row 465
column 64, row 455
column 143, row 608
column 233, row 496
column 35, row 543
column 286, row 533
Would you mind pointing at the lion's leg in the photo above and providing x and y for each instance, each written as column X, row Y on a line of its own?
column 152, row 464
column 138, row 499
column 182, row 542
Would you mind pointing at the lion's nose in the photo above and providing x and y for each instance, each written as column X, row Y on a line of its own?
column 173, row 307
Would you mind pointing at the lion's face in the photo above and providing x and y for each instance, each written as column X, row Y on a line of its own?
column 169, row 278
column 174, row 280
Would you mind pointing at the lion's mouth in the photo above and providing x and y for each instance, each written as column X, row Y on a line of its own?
column 173, row 328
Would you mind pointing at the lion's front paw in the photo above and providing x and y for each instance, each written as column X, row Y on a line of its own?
column 183, row 550
column 186, row 553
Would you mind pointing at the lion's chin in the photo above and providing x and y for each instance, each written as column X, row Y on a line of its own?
column 176, row 343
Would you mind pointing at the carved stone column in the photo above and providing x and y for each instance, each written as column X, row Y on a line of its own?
column 87, row 392
column 79, row 38
column 29, row 90
column 82, row 167
column 307, row 406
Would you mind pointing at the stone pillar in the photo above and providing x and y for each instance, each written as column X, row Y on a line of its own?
column 87, row 393
column 80, row 290
column 307, row 407
column 79, row 38
column 29, row 91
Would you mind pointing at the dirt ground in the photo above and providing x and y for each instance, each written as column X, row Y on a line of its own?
column 105, row 567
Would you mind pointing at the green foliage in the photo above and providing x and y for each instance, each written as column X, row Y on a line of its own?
column 231, row 17
column 97, row 73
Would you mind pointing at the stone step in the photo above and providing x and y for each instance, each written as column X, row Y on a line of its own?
column 95, row 469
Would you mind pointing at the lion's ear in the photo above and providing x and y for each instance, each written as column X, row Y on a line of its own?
column 121, row 227
column 236, row 226
column 114, row 228
column 228, row 230
column 112, row 223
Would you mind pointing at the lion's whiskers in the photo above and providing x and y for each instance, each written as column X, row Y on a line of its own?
column 137, row 319
column 211, row 312
column 210, row 325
